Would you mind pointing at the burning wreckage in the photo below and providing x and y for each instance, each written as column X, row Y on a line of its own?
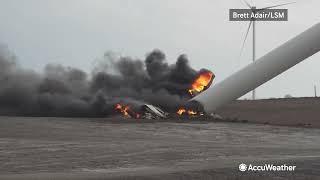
column 131, row 87
column 250, row 77
column 246, row 79
column 201, row 83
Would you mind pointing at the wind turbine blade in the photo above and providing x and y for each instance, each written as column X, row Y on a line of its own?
column 246, row 2
column 270, row 7
column 244, row 41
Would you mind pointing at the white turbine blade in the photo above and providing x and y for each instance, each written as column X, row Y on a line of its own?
column 244, row 41
column 266, row 68
column 246, row 2
column 270, row 7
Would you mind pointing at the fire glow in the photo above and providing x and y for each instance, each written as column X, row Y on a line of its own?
column 188, row 112
column 126, row 111
column 201, row 83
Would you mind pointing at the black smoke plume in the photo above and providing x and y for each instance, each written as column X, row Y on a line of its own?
column 69, row 92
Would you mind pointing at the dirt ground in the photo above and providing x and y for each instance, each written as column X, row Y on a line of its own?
column 288, row 112
column 75, row 148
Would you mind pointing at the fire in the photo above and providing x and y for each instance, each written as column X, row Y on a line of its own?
column 202, row 82
column 123, row 109
column 189, row 112
column 181, row 111
column 126, row 111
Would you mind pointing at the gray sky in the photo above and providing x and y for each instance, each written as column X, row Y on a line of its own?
column 76, row 32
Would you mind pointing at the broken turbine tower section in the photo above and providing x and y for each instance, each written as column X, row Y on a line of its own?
column 153, row 112
column 261, row 71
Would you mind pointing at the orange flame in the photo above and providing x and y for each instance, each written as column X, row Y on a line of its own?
column 201, row 83
column 183, row 111
column 126, row 111
column 123, row 109
column 191, row 112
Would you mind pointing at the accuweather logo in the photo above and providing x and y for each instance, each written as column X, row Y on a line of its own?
column 266, row 167
column 242, row 167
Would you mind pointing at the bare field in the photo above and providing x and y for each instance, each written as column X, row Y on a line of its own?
column 74, row 148
column 288, row 112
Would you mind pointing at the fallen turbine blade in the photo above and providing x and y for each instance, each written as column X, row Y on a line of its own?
column 261, row 71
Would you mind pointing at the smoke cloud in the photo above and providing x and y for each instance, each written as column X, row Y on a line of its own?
column 69, row 92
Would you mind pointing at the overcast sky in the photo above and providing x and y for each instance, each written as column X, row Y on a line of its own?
column 76, row 32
